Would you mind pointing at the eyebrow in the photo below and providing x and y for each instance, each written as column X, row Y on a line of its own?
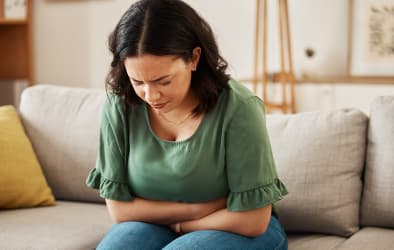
column 155, row 80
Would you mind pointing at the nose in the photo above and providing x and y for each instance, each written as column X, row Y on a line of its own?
column 151, row 94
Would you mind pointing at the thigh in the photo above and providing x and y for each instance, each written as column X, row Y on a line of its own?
column 273, row 238
column 136, row 235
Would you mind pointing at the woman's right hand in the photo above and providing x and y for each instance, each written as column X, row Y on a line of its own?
column 203, row 209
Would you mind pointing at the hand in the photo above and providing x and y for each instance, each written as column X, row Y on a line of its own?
column 203, row 209
column 176, row 227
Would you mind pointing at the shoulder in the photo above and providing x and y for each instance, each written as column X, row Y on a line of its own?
column 239, row 90
column 113, row 103
column 246, row 122
column 114, row 111
column 242, row 102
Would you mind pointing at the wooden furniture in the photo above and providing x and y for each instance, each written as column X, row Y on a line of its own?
column 286, row 75
column 16, row 60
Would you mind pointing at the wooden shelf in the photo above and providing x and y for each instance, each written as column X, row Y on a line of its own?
column 339, row 80
column 16, row 61
column 13, row 21
column 350, row 80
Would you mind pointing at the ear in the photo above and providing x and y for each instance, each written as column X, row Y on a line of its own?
column 195, row 58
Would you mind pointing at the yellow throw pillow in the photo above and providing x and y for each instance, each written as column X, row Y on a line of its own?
column 22, row 183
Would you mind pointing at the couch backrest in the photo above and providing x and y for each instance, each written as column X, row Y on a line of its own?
column 378, row 195
column 63, row 126
column 320, row 157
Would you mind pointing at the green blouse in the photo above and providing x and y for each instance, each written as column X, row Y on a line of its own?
column 228, row 155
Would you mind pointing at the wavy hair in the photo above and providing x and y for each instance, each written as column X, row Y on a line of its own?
column 167, row 27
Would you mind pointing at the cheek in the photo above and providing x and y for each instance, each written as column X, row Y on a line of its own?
column 139, row 92
column 179, row 91
column 184, row 83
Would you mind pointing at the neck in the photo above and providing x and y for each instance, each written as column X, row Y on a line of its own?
column 178, row 121
column 179, row 115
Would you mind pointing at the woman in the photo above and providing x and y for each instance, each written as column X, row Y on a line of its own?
column 184, row 158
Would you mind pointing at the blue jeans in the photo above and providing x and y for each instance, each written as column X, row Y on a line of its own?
column 141, row 236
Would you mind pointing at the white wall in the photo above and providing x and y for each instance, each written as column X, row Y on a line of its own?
column 70, row 40
column 70, row 44
column 311, row 97
column 61, row 40
column 103, row 17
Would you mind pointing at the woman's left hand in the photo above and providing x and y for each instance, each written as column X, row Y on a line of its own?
column 176, row 227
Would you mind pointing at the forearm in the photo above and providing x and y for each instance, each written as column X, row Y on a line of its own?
column 249, row 223
column 161, row 212
column 158, row 212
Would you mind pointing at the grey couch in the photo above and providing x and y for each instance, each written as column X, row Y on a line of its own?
column 338, row 166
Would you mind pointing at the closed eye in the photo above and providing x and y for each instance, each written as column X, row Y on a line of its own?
column 136, row 83
column 165, row 83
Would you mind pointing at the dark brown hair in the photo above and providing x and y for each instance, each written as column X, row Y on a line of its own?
column 167, row 27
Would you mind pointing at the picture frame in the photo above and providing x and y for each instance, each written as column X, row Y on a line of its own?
column 371, row 39
column 14, row 9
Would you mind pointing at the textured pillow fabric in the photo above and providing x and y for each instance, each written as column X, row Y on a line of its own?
column 22, row 183
column 378, row 197
column 63, row 126
column 320, row 156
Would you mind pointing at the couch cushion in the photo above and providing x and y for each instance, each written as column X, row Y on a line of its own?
column 320, row 156
column 68, row 225
column 370, row 238
column 314, row 241
column 22, row 183
column 63, row 126
column 378, row 197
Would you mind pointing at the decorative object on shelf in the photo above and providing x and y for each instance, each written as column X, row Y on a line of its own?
column 309, row 66
column 14, row 9
column 286, row 75
column 371, row 39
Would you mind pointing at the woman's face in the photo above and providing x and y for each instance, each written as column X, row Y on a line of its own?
column 163, row 82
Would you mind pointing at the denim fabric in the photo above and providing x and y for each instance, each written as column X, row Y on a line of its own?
column 141, row 236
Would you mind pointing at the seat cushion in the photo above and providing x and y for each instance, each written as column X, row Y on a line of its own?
column 370, row 238
column 314, row 241
column 68, row 225
column 320, row 156
column 64, row 131
column 378, row 197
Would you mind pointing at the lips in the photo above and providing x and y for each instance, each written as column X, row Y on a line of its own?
column 158, row 105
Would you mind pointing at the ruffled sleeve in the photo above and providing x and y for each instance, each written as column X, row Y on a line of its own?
column 110, row 175
column 251, row 171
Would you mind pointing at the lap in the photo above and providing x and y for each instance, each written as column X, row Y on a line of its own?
column 140, row 235
column 136, row 235
column 273, row 238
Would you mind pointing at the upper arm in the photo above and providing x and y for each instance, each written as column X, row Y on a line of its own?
column 251, row 170
column 110, row 173
column 115, row 210
column 120, row 210
column 111, row 207
column 256, row 221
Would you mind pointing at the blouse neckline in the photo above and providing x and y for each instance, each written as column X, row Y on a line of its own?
column 190, row 138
